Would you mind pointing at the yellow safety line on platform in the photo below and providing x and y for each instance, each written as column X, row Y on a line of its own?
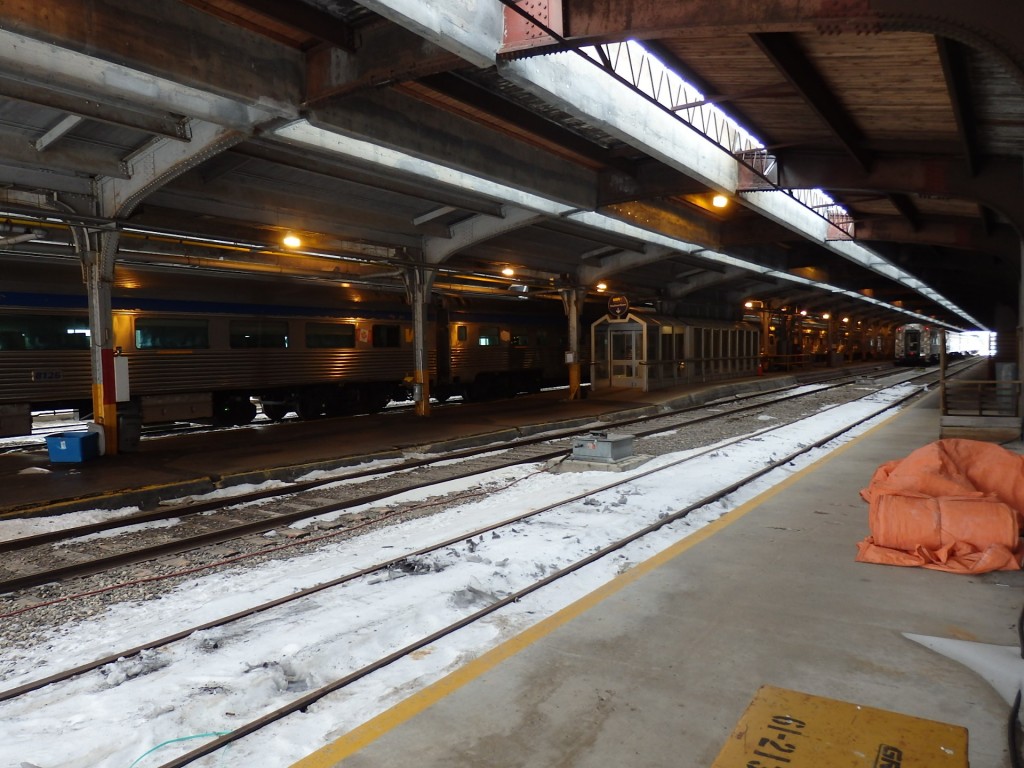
column 365, row 734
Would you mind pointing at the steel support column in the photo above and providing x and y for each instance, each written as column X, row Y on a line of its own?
column 99, row 278
column 162, row 161
column 572, row 299
column 418, row 282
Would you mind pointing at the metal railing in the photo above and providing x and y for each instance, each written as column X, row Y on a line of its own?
column 981, row 398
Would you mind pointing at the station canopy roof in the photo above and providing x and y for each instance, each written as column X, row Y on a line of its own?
column 866, row 157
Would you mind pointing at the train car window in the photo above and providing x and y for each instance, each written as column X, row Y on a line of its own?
column 387, row 336
column 171, row 333
column 11, row 340
column 330, row 336
column 521, row 340
column 461, row 333
column 261, row 334
column 31, row 332
column 489, row 336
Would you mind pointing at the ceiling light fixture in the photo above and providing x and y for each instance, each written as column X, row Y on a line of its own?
column 719, row 201
column 508, row 271
column 291, row 241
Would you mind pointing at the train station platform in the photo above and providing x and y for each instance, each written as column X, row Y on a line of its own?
column 178, row 465
column 658, row 667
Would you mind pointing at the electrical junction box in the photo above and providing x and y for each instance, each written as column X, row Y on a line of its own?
column 601, row 446
column 73, row 447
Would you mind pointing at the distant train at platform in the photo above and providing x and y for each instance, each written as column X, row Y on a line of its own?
column 918, row 344
column 214, row 348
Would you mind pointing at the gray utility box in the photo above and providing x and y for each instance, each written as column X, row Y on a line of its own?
column 600, row 446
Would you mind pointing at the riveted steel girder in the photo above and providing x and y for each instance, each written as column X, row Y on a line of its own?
column 160, row 53
column 992, row 25
column 395, row 120
column 998, row 184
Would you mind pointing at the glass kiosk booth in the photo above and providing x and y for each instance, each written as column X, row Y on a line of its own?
column 650, row 351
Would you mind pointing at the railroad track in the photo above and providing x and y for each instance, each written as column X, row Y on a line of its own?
column 484, row 543
column 255, row 513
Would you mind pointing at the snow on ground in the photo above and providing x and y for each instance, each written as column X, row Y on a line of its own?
column 143, row 711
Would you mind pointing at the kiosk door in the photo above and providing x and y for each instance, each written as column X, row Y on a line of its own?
column 625, row 350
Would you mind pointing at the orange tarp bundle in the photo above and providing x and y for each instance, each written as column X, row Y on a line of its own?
column 953, row 505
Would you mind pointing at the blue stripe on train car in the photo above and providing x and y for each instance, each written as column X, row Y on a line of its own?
column 76, row 301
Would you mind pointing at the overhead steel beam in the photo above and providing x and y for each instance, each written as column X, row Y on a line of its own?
column 57, row 132
column 671, row 221
column 395, row 120
column 306, row 18
column 263, row 210
column 303, row 133
column 89, row 104
column 621, row 261
column 784, row 51
column 520, row 120
column 958, row 234
column 954, row 67
column 387, row 54
column 158, row 164
column 472, row 31
column 992, row 25
column 34, row 177
column 648, row 180
column 430, row 215
column 906, row 208
column 16, row 149
column 998, row 183
column 679, row 289
column 568, row 81
column 131, row 50
column 332, row 167
column 751, row 230
column 437, row 250
column 39, row 62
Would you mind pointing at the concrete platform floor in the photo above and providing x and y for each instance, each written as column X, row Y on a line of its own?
column 656, row 669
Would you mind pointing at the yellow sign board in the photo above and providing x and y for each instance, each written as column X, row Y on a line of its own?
column 789, row 729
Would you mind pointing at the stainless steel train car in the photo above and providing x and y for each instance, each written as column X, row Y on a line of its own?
column 212, row 347
column 918, row 344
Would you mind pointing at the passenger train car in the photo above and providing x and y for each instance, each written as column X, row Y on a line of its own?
column 918, row 344
column 314, row 348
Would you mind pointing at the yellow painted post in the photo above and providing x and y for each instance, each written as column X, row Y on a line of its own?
column 422, row 385
column 574, row 381
column 104, row 403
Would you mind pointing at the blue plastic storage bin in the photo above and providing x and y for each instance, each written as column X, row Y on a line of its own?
column 73, row 447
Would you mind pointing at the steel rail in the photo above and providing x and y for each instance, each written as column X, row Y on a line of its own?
column 177, row 546
column 398, row 560
column 198, row 507
column 312, row 697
